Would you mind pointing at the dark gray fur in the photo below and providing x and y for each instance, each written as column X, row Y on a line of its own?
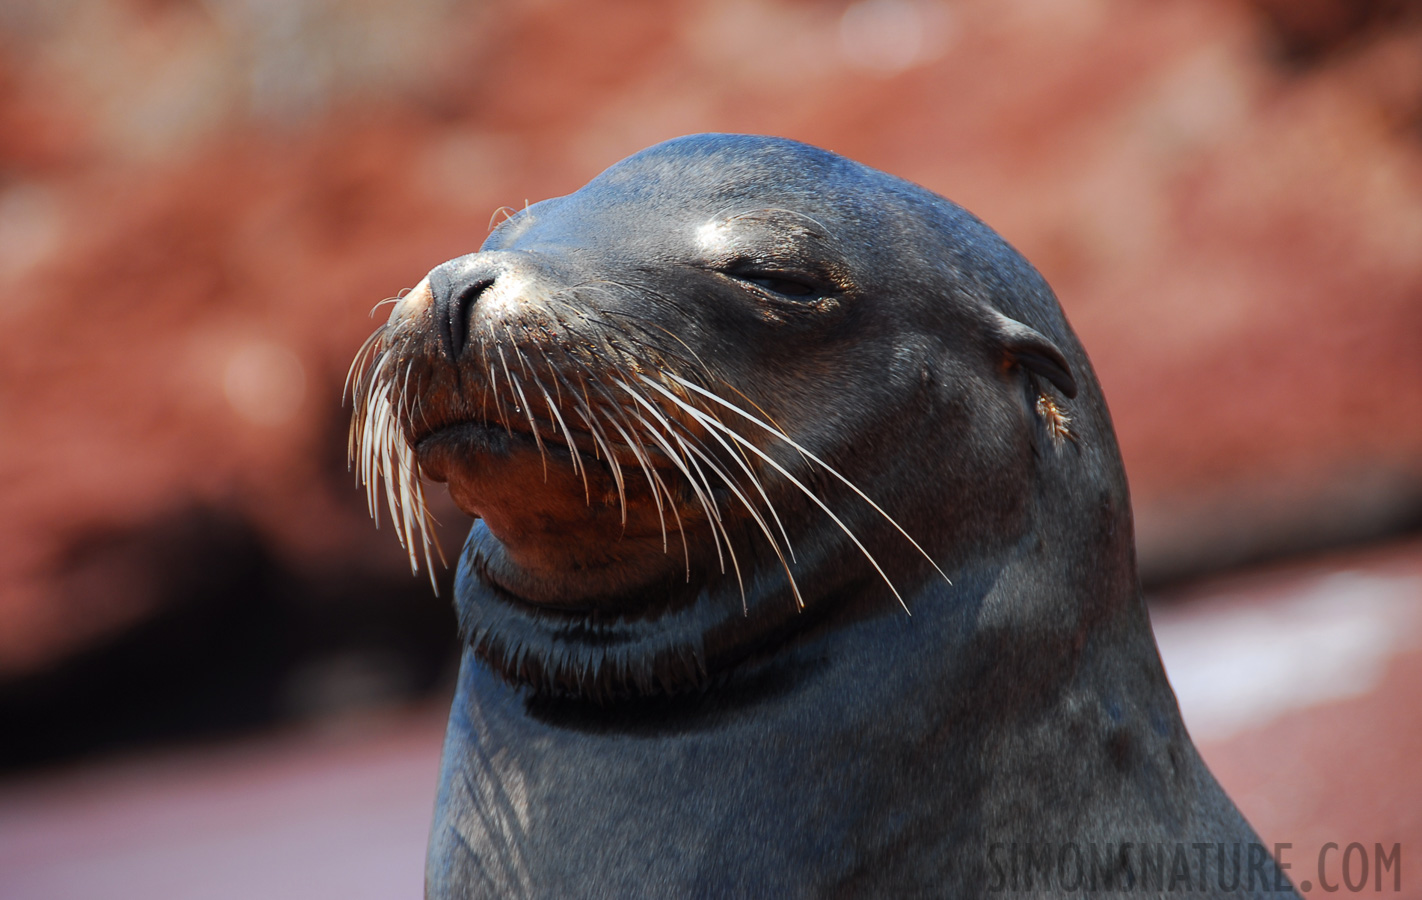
column 850, row 749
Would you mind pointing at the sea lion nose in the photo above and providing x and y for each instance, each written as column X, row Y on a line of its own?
column 488, row 285
column 455, row 287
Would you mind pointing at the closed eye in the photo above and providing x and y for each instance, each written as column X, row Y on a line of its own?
column 784, row 284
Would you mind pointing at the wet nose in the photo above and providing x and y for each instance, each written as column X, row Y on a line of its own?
column 455, row 287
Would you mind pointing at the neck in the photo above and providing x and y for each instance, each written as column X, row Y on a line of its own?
column 920, row 739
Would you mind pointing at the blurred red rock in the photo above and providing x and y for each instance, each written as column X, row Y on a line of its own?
column 199, row 202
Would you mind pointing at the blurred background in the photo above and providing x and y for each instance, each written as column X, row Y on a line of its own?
column 217, row 679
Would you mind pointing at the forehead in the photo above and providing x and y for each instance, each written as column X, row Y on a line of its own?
column 697, row 189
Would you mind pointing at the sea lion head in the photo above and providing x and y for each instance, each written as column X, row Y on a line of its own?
column 733, row 388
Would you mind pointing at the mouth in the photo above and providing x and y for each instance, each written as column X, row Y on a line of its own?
column 530, row 487
column 583, row 539
column 584, row 617
column 442, row 448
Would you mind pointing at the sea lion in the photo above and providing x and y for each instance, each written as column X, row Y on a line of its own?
column 804, row 561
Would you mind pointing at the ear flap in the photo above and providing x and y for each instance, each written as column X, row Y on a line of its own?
column 1029, row 349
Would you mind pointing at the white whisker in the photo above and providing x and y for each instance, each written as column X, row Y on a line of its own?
column 736, row 436
column 379, row 452
column 821, row 463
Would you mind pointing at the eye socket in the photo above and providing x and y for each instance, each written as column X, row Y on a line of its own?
column 781, row 283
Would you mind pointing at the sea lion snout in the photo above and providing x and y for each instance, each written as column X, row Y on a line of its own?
column 493, row 282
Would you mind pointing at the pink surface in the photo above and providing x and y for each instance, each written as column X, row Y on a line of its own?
column 298, row 815
column 342, row 811
column 1334, row 670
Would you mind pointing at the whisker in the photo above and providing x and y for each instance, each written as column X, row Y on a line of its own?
column 601, row 449
column 383, row 460
column 371, row 457
column 639, row 452
column 735, row 436
column 699, row 483
column 755, row 515
column 578, row 467
column 714, row 510
column 355, row 374
column 386, row 415
column 821, row 504
column 741, row 460
column 775, row 427
column 405, row 386
column 821, row 463
column 522, row 361
column 584, row 385
column 498, row 403
column 671, row 500
column 509, row 213
column 533, row 426
column 730, row 485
